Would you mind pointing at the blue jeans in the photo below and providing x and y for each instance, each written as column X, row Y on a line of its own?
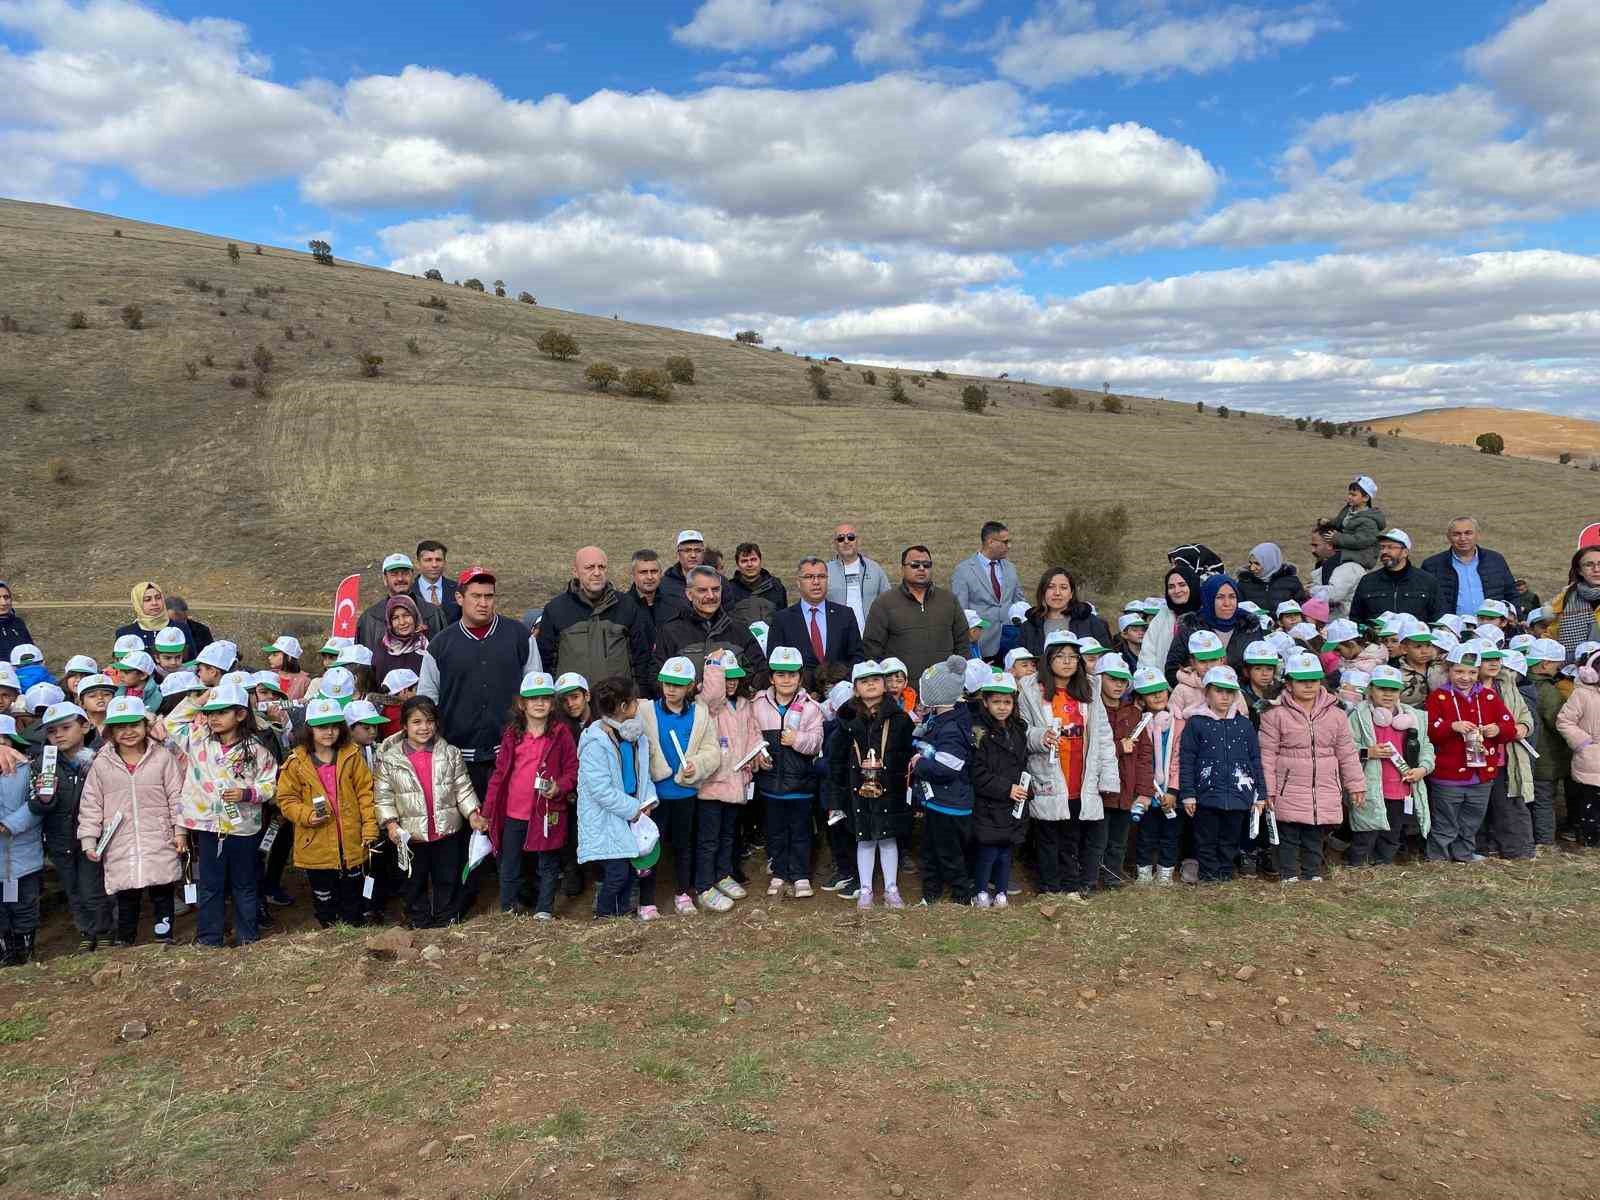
column 614, row 896
column 224, row 866
column 789, row 836
column 1157, row 838
column 994, row 867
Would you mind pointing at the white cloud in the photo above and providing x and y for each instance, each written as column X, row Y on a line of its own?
column 1066, row 40
column 959, row 8
column 882, row 30
column 733, row 76
column 803, row 62
column 1548, row 60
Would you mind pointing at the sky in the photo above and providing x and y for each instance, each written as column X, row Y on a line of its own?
column 1342, row 208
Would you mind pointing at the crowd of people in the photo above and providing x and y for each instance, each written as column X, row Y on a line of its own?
column 697, row 729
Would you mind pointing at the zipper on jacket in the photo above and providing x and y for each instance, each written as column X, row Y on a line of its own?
column 133, row 798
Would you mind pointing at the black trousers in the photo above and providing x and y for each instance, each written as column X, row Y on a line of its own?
column 1379, row 846
column 131, row 902
column 93, row 912
column 1090, row 837
column 336, row 896
column 1217, row 835
column 1509, row 821
column 1056, row 845
column 546, row 865
column 433, row 893
column 1583, row 810
column 1113, row 867
column 713, row 843
column 945, row 864
column 1299, row 849
column 21, row 916
column 1157, row 838
column 277, row 858
column 788, row 836
column 675, row 818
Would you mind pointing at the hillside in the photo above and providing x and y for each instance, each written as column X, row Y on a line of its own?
column 121, row 465
column 1528, row 434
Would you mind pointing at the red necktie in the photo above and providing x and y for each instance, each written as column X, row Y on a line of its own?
column 816, row 637
column 994, row 577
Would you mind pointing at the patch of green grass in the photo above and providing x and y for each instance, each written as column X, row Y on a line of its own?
column 21, row 1029
column 747, row 1075
column 737, row 1117
column 1369, row 1119
column 667, row 1071
column 239, row 1023
column 838, row 1048
column 505, row 1135
column 953, row 943
column 683, row 1020
column 1381, row 1056
column 665, row 1138
column 1589, row 1119
column 595, row 1035
column 905, row 961
column 566, row 1123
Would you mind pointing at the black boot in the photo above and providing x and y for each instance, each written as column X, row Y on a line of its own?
column 6, row 947
column 22, row 954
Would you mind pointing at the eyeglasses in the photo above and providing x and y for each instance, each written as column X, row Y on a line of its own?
column 921, row 565
column 845, row 537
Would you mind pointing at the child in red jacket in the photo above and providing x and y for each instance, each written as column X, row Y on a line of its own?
column 1470, row 727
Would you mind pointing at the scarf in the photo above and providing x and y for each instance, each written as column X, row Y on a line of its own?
column 1189, row 577
column 1270, row 556
column 1208, row 604
column 149, row 624
column 1578, row 615
column 392, row 642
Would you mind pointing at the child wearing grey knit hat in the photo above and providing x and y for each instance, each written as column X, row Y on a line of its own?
column 943, row 684
column 942, row 775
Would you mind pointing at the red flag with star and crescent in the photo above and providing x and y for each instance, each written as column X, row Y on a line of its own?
column 346, row 606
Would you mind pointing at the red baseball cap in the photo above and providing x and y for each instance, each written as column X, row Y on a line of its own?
column 474, row 573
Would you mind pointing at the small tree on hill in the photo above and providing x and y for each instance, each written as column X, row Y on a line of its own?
column 473, row 285
column 938, row 373
column 558, row 344
column 974, row 398
column 1490, row 443
column 1112, row 404
column 1564, row 457
column 1222, row 411
column 321, row 251
column 369, row 363
column 434, row 274
column 647, row 382
column 133, row 316
column 601, row 375
column 680, row 368
column 1062, row 398
column 526, row 298
column 897, row 389
column 233, row 252
column 1089, row 541
column 499, row 287
column 747, row 337
column 869, row 377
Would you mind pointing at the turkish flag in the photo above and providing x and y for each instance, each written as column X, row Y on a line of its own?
column 1590, row 536
column 346, row 604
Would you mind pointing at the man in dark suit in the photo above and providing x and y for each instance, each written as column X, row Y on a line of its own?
column 433, row 586
column 823, row 632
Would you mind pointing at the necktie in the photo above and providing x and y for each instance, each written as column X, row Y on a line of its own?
column 816, row 637
column 994, row 577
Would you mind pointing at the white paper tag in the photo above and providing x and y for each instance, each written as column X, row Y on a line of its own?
column 366, row 887
column 10, row 891
column 191, row 894
column 749, row 791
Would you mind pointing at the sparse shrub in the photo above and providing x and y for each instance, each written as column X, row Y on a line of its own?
column 499, row 287
column 61, row 472
column 33, row 404
column 222, row 291
column 413, row 345
column 434, row 274
column 680, row 367
column 327, row 343
column 78, row 320
column 897, row 389
column 434, row 302
column 262, row 358
column 974, row 398
column 748, row 337
column 132, row 316
column 233, row 252
column 1222, row 411
column 647, row 382
column 1490, row 443
column 1112, row 404
column 369, row 363
column 822, row 390
column 258, row 249
column 322, row 252
column 869, row 377
column 116, row 233
column 261, row 293
column 258, row 386
column 921, row 383
column 938, row 373
column 1090, row 541
column 238, row 379
column 1326, row 428
column 526, row 298
column 1062, row 397
column 601, row 375
column 192, row 369
column 199, row 285
column 208, row 361
column 1372, row 440
column 1199, row 406
column 473, row 285
column 1301, row 423
column 1565, row 457
column 815, row 374
column 288, row 333
column 558, row 344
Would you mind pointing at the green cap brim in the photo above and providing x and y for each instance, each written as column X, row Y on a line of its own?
column 1227, row 687
column 1386, row 683
column 1123, row 675
column 1208, row 656
column 125, row 720
column 645, row 861
column 530, row 693
column 677, row 679
column 373, row 720
column 330, row 719
column 1306, row 676
column 1150, row 689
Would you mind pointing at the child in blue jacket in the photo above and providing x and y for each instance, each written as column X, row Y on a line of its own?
column 21, row 860
column 1220, row 779
column 943, row 779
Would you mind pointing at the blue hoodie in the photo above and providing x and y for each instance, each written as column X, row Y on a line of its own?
column 22, row 852
column 946, row 751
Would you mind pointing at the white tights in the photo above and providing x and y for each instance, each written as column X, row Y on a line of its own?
column 888, row 851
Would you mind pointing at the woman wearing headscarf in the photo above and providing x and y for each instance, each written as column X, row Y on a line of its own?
column 1219, row 612
column 150, row 618
column 1057, row 604
column 405, row 637
column 1182, row 592
column 1577, row 608
column 1268, row 581
column 13, row 629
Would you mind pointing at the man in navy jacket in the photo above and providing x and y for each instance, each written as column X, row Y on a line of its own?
column 1468, row 573
column 836, row 627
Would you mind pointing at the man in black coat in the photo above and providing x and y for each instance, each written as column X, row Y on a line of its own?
column 595, row 630
column 1397, row 585
column 836, row 631
column 433, row 586
column 1468, row 573
column 198, row 633
column 705, row 626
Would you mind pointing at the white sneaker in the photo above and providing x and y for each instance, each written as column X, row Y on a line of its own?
column 649, row 912
column 1146, row 875
column 683, row 903
column 1164, row 876
column 802, row 889
column 1288, row 881
column 775, row 887
column 729, row 887
column 1000, row 900
column 981, row 900
column 714, row 900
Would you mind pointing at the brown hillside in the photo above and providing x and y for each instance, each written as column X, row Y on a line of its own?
column 119, row 465
column 1528, row 434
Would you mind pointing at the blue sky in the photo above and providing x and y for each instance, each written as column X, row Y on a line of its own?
column 1347, row 208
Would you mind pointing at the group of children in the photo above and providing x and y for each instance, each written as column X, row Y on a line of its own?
column 161, row 772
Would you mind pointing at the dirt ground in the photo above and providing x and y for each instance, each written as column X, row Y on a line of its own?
column 1413, row 1031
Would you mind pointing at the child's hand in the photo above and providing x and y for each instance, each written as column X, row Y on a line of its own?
column 89, row 850
column 1414, row 774
column 1358, row 799
column 1490, row 732
column 1127, row 745
column 475, row 819
column 158, row 729
column 233, row 795
column 4, row 831
column 687, row 769
column 1463, row 727
column 393, row 830
column 1169, row 803
column 180, row 841
column 1188, row 808
column 1018, row 793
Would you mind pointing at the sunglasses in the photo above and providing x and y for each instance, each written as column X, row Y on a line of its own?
column 921, row 565
column 845, row 537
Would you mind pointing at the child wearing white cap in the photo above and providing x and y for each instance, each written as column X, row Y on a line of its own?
column 1469, row 726
column 867, row 763
column 789, row 721
column 683, row 752
column 283, row 656
column 1135, row 764
column 325, row 791
column 134, row 789
column 1579, row 723
column 1509, row 821
column 1545, row 659
column 528, row 804
column 21, row 863
column 1001, row 787
column 1396, row 755
column 1220, row 775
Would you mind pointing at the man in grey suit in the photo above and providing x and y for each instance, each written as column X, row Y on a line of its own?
column 987, row 583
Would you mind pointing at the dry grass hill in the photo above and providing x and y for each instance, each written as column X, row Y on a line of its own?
column 130, row 454
column 1528, row 434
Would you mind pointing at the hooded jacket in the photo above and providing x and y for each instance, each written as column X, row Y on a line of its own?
column 1373, row 812
column 59, row 813
column 1355, row 532
column 1219, row 762
column 336, row 844
column 943, row 752
column 547, row 823
column 792, row 772
column 210, row 768
column 1049, row 801
column 22, row 847
column 1408, row 590
column 695, row 637
column 1481, row 706
column 1555, row 756
column 398, row 794
column 1309, row 760
column 1236, row 637
column 605, row 808
column 701, row 749
column 756, row 601
column 999, row 760
column 1273, row 589
column 1579, row 723
column 734, row 723
column 887, row 733
column 1135, row 769
column 13, row 633
column 597, row 639
column 149, row 797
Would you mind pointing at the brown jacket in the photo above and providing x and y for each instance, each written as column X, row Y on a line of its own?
column 1135, row 770
column 335, row 844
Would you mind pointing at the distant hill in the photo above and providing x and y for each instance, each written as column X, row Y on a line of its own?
column 130, row 454
column 1527, row 433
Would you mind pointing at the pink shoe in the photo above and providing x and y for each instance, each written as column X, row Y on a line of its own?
column 684, row 904
column 891, row 897
column 649, row 913
column 864, row 900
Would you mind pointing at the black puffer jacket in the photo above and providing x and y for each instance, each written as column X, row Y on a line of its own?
column 1236, row 642
column 888, row 734
column 59, row 814
column 597, row 639
column 1283, row 584
column 1081, row 620
column 756, row 601
column 694, row 637
column 1409, row 590
column 999, row 758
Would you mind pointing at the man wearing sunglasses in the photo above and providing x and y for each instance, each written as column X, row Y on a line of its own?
column 918, row 623
column 854, row 580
